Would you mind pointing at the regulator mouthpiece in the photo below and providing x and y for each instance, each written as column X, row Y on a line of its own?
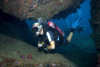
column 40, row 20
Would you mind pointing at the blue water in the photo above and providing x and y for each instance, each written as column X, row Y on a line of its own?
column 84, row 14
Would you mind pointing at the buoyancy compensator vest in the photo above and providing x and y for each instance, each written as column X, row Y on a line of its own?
column 57, row 32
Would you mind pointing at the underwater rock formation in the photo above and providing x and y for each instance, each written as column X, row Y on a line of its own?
column 33, row 9
column 95, row 21
column 11, row 57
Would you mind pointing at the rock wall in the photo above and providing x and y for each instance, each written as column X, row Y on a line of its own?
column 95, row 21
column 16, row 53
column 33, row 9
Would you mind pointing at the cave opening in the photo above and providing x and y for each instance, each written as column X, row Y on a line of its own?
column 82, row 46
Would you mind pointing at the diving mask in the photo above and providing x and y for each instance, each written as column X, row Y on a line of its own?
column 36, row 30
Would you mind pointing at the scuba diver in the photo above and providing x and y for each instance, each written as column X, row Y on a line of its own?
column 49, row 35
column 79, row 28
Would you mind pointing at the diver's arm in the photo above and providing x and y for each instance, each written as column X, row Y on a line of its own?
column 70, row 37
column 50, row 37
column 75, row 24
column 52, row 45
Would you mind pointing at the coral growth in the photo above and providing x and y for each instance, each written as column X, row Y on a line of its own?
column 22, row 8
column 15, row 56
column 29, row 56
column 22, row 56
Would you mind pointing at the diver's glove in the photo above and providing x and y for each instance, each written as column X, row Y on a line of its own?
column 40, row 45
column 75, row 24
column 45, row 49
column 45, row 45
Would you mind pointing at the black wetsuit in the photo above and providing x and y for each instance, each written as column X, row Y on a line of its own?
column 52, row 35
column 49, row 35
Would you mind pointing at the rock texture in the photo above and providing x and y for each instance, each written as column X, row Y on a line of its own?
column 95, row 21
column 11, row 50
column 33, row 9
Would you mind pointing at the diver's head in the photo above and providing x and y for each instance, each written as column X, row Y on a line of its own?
column 37, row 28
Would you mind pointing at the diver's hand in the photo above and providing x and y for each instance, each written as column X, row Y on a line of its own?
column 40, row 45
column 76, row 22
